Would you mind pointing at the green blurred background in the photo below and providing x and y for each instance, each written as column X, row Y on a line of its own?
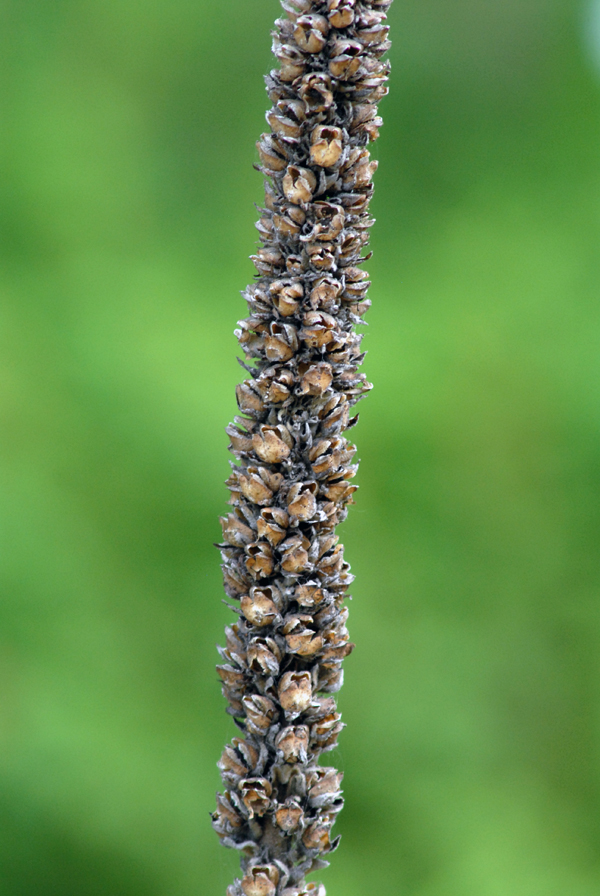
column 127, row 134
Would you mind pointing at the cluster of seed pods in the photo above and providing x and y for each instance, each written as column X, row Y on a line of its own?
column 292, row 480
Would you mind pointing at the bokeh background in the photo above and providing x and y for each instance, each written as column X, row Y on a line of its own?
column 127, row 206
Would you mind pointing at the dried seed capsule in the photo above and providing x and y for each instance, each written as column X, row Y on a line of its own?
column 263, row 656
column 259, row 608
column 254, row 488
column 256, row 794
column 281, row 343
column 326, row 148
column 299, row 184
column 289, row 816
column 272, row 524
column 302, row 502
column 260, row 712
column 295, row 693
column 316, row 380
column 325, row 788
column 272, row 444
column 293, row 743
column 260, row 880
column 316, row 836
column 235, row 532
column 287, row 295
column 259, row 561
column 316, row 91
column 294, row 555
column 341, row 13
column 311, row 33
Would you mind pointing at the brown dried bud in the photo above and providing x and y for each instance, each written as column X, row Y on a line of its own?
column 287, row 295
column 254, row 488
column 310, row 33
column 299, row 184
column 289, row 816
column 326, row 788
column 316, row 836
column 260, row 880
column 324, row 292
column 325, row 732
column 295, row 693
column 281, row 343
column 299, row 638
column 302, row 502
column 259, row 561
column 231, row 764
column 272, row 444
column 272, row 524
column 263, row 656
column 260, row 712
column 249, row 402
column 345, row 59
column 256, row 794
column 316, row 380
column 270, row 153
column 326, row 149
column 308, row 595
column 341, row 13
column 293, row 743
column 294, row 555
column 235, row 532
column 316, row 91
column 258, row 608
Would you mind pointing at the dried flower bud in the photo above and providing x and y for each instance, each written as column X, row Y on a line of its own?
column 326, row 148
column 287, row 295
column 299, row 184
column 235, row 532
column 302, row 502
column 260, row 712
column 272, row 444
column 294, row 555
column 311, row 33
column 295, row 693
column 256, row 794
column 341, row 13
column 259, row 561
column 293, row 743
column 326, row 787
column 263, row 656
column 254, row 488
column 315, row 90
column 316, row 836
column 289, row 816
column 258, row 608
column 281, row 343
column 260, row 880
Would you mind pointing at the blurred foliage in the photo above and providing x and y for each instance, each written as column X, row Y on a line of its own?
column 471, row 753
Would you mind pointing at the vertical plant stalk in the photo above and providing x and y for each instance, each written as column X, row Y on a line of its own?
column 291, row 484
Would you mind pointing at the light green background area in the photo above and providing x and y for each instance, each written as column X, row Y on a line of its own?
column 472, row 701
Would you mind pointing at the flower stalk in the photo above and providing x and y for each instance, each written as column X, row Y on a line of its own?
column 291, row 483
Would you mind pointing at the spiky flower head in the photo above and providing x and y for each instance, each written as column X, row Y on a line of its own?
column 292, row 480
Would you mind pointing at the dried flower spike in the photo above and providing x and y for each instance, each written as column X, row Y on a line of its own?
column 291, row 482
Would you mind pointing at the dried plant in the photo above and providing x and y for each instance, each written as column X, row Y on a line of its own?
column 291, row 484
